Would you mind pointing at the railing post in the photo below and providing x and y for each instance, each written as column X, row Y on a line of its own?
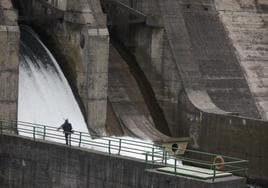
column 119, row 150
column 214, row 172
column 44, row 136
column 1, row 127
column 34, row 133
column 153, row 154
column 165, row 157
column 146, row 160
column 70, row 139
column 80, row 138
column 109, row 149
column 175, row 166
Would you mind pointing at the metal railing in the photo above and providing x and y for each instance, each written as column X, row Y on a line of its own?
column 151, row 153
column 200, row 161
column 112, row 145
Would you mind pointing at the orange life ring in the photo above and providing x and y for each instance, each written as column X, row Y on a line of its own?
column 219, row 162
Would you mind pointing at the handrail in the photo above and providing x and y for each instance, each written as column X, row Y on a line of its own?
column 150, row 152
column 211, row 154
column 85, row 134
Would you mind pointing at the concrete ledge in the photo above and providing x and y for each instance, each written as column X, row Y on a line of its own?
column 98, row 32
column 79, row 17
column 9, row 28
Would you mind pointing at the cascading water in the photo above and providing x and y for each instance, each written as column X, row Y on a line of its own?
column 46, row 98
column 44, row 94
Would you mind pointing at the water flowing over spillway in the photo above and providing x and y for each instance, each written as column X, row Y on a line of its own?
column 45, row 96
column 46, row 99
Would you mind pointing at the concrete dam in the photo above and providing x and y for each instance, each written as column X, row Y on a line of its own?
column 163, row 71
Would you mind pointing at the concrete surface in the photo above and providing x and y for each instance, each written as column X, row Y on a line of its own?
column 197, row 78
column 228, row 135
column 246, row 23
column 25, row 163
column 79, row 40
column 9, row 61
column 191, row 59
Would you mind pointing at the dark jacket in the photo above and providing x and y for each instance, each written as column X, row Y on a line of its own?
column 67, row 127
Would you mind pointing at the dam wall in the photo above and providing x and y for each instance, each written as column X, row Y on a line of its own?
column 76, row 33
column 230, row 135
column 28, row 163
column 9, row 61
column 188, row 49
column 193, row 68
column 246, row 24
column 214, row 54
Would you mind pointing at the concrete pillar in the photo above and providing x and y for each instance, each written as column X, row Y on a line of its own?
column 9, row 61
column 94, row 42
column 9, row 67
column 97, row 77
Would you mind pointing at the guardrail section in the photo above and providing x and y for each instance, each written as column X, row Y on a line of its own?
column 192, row 163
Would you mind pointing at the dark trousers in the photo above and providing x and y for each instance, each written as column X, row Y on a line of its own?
column 67, row 137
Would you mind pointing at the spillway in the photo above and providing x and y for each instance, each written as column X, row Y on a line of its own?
column 45, row 96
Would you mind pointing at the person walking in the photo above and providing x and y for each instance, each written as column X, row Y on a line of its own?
column 67, row 130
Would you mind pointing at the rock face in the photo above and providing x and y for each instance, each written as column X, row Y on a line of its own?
column 9, row 61
column 76, row 33
column 246, row 23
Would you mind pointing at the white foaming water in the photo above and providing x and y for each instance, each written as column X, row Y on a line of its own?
column 44, row 94
column 46, row 98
